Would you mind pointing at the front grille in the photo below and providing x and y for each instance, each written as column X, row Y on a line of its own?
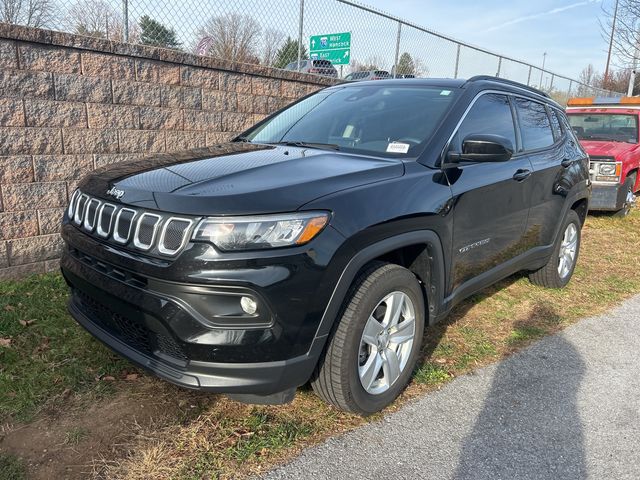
column 155, row 233
column 594, row 165
column 134, row 334
column 172, row 238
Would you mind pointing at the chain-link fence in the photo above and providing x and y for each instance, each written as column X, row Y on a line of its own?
column 284, row 33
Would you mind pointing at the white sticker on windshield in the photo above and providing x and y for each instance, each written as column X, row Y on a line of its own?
column 445, row 92
column 398, row 147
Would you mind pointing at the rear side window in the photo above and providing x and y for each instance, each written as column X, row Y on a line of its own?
column 534, row 124
column 555, row 125
column 322, row 63
column 491, row 114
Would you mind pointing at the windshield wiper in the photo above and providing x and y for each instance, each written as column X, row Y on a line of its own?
column 322, row 146
column 603, row 139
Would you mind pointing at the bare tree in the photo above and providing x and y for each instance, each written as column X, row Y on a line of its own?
column 272, row 40
column 97, row 18
column 626, row 37
column 588, row 77
column 371, row 63
column 32, row 13
column 231, row 36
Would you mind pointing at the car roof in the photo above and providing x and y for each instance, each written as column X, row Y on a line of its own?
column 480, row 82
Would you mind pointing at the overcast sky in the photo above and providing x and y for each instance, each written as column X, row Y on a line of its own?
column 567, row 30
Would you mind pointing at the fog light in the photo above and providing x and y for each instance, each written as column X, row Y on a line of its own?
column 249, row 305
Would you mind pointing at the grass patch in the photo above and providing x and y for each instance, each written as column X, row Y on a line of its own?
column 75, row 435
column 44, row 354
column 223, row 439
column 431, row 374
column 12, row 468
column 525, row 334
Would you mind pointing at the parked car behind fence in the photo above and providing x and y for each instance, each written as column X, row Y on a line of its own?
column 317, row 67
column 368, row 75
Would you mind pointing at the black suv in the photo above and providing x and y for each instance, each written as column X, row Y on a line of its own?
column 319, row 244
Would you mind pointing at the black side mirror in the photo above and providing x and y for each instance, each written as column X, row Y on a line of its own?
column 483, row 148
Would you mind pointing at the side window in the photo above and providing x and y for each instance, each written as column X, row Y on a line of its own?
column 555, row 125
column 534, row 124
column 491, row 114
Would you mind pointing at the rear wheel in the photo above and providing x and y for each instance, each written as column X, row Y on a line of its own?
column 375, row 345
column 630, row 198
column 559, row 269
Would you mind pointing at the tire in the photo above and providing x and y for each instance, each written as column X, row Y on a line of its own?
column 337, row 378
column 629, row 195
column 550, row 275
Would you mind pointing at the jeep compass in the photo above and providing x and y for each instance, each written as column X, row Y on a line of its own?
column 320, row 244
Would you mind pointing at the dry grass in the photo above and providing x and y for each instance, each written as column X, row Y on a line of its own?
column 230, row 440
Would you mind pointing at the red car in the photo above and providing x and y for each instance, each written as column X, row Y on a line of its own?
column 608, row 130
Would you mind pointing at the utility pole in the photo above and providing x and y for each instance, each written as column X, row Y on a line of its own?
column 632, row 78
column 125, row 15
column 613, row 29
column 301, row 26
column 544, row 60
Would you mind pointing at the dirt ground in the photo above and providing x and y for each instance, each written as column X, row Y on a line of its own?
column 66, row 444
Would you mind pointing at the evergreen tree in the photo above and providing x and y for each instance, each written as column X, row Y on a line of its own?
column 156, row 34
column 288, row 53
column 406, row 65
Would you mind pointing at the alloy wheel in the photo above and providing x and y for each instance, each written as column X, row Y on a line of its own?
column 568, row 250
column 386, row 343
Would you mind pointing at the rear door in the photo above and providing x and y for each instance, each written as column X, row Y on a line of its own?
column 491, row 200
column 553, row 162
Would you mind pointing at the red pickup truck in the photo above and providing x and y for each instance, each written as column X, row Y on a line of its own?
column 608, row 130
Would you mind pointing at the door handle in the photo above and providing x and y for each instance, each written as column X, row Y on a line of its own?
column 567, row 162
column 521, row 175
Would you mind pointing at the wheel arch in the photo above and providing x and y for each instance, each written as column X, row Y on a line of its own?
column 420, row 251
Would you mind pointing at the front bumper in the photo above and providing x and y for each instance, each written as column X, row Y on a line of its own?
column 157, row 322
column 607, row 197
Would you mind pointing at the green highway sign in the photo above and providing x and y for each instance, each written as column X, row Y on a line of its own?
column 335, row 47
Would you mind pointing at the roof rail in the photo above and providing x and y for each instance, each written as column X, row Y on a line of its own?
column 508, row 82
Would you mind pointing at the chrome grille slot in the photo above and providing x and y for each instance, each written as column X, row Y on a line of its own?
column 124, row 222
column 72, row 203
column 105, row 219
column 91, row 212
column 146, row 228
column 79, row 213
column 174, row 235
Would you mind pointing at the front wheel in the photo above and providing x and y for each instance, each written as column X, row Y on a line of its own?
column 559, row 269
column 375, row 345
column 630, row 198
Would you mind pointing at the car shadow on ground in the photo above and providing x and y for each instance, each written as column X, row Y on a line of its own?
column 529, row 426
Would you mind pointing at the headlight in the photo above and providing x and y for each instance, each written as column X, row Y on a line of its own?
column 608, row 169
column 262, row 231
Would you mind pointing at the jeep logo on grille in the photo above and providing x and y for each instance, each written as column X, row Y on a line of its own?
column 114, row 192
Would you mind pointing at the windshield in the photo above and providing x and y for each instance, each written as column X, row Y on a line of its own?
column 605, row 126
column 386, row 121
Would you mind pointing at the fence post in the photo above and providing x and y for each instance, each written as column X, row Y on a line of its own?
column 395, row 63
column 529, row 77
column 455, row 74
column 300, row 28
column 125, row 19
column 551, row 84
column 499, row 66
column 570, row 85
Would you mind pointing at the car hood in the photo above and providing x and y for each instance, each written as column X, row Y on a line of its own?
column 236, row 179
column 607, row 149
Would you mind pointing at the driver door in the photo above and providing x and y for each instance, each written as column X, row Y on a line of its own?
column 491, row 200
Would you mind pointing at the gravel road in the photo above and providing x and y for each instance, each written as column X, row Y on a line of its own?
column 568, row 407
